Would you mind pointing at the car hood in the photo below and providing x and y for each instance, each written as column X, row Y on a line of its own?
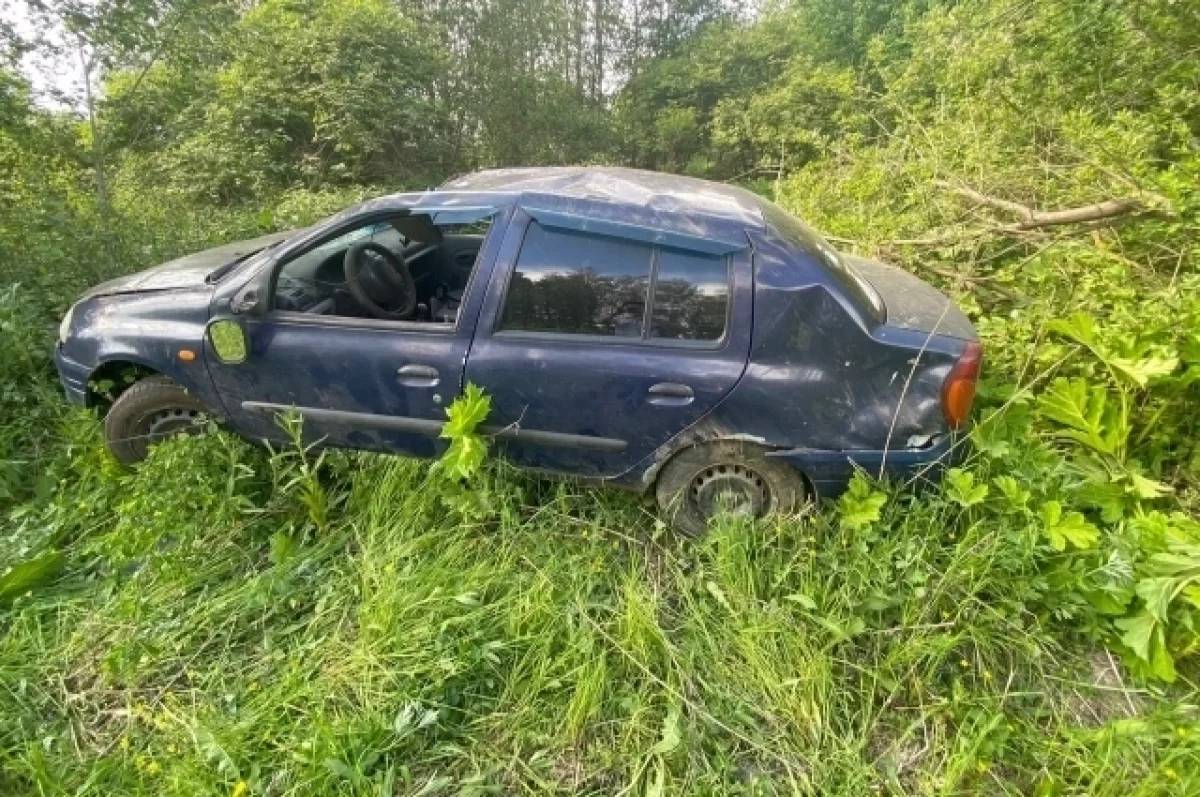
column 189, row 271
column 911, row 303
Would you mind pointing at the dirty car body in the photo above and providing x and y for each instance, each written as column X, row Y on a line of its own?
column 615, row 317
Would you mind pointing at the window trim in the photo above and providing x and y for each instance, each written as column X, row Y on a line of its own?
column 553, row 219
column 318, row 319
column 645, row 340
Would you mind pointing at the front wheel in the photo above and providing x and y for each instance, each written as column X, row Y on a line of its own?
column 151, row 410
column 726, row 476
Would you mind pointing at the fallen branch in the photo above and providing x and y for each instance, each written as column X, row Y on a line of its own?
column 1108, row 209
column 1031, row 219
column 1020, row 210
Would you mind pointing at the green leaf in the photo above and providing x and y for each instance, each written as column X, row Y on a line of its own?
column 1182, row 561
column 841, row 633
column 282, row 546
column 467, row 412
column 1107, row 496
column 1145, row 636
column 1157, row 593
column 1079, row 327
column 861, row 504
column 1162, row 663
column 1138, row 632
column 1013, row 492
column 1110, row 601
column 803, row 600
column 1141, row 372
column 1189, row 349
column 464, row 457
column 962, row 490
column 1070, row 527
column 670, row 737
column 30, row 574
column 1085, row 410
column 467, row 449
column 340, row 768
column 1148, row 489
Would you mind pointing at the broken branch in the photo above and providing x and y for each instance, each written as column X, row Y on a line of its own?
column 983, row 199
column 1108, row 209
column 1031, row 219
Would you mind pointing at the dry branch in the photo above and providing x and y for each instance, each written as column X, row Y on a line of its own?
column 1031, row 219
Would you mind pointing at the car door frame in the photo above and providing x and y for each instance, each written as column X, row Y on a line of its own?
column 246, row 414
column 737, row 335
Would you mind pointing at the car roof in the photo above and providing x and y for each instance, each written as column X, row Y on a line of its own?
column 650, row 191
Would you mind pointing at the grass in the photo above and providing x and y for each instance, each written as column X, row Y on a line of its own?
column 212, row 633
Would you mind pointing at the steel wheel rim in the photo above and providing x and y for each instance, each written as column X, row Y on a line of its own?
column 172, row 420
column 731, row 488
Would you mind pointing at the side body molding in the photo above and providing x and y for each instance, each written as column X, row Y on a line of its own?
column 432, row 428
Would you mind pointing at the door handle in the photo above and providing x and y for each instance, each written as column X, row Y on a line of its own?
column 671, row 394
column 418, row 376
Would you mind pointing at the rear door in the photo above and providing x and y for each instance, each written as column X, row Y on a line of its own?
column 597, row 348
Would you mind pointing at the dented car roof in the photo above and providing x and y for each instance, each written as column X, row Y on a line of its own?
column 654, row 191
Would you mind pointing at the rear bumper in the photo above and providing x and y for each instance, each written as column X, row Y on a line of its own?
column 830, row 471
column 74, row 376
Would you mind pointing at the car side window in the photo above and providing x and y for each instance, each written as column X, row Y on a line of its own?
column 691, row 296
column 576, row 283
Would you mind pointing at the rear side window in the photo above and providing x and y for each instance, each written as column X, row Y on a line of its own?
column 576, row 283
column 691, row 296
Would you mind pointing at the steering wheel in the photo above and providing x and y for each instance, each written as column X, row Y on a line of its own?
column 379, row 280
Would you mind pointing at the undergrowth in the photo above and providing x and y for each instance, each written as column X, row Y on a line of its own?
column 231, row 620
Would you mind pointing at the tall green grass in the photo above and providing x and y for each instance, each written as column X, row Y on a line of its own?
column 207, row 636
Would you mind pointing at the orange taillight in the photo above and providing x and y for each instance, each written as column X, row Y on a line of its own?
column 958, row 391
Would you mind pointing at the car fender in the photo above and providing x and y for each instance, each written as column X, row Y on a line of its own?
column 161, row 331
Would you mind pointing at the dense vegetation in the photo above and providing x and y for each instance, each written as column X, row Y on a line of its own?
column 238, row 621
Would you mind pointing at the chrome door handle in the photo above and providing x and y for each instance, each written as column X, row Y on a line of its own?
column 670, row 394
column 418, row 376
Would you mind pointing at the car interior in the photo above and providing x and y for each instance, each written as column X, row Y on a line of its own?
column 405, row 268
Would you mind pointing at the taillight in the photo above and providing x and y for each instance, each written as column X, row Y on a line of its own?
column 958, row 391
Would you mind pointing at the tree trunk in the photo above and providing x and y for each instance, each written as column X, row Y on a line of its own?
column 598, row 57
column 88, row 64
column 577, row 21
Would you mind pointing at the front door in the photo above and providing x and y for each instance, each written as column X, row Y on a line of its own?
column 356, row 381
column 597, row 348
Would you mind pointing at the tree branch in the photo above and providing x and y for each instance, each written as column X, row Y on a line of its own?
column 1108, row 209
column 1031, row 219
column 983, row 199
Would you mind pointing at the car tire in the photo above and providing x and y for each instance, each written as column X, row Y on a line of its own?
column 699, row 480
column 151, row 410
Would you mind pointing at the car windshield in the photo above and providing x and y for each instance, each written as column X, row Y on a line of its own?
column 249, row 260
column 797, row 232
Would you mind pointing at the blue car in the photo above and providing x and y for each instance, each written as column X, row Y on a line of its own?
column 644, row 330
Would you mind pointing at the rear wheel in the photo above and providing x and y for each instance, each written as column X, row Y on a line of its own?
column 151, row 410
column 726, row 476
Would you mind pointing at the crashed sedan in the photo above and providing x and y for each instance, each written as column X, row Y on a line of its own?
column 644, row 330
